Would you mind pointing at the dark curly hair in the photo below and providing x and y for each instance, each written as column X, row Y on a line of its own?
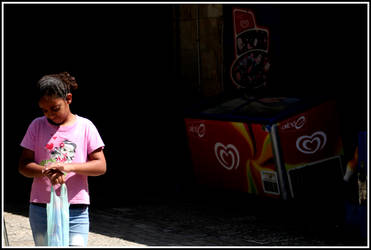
column 56, row 85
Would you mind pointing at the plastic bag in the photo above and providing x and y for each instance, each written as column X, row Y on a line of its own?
column 58, row 217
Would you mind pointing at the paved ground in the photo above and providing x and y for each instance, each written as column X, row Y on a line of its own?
column 192, row 223
column 19, row 234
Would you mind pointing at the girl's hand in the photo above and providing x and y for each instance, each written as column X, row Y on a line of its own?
column 55, row 172
column 60, row 166
column 55, row 176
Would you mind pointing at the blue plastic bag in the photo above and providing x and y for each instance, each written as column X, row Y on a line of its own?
column 58, row 216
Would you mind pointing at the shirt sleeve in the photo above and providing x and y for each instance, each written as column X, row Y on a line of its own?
column 94, row 140
column 29, row 138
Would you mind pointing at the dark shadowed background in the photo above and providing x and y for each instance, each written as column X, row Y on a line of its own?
column 122, row 58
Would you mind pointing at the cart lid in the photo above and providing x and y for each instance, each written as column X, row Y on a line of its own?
column 265, row 110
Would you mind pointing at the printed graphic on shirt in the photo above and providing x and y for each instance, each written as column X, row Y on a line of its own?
column 60, row 151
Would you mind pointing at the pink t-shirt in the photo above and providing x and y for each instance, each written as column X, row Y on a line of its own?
column 64, row 144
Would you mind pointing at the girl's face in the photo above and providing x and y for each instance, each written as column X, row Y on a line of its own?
column 56, row 109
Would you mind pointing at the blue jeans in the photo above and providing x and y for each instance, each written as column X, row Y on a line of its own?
column 79, row 225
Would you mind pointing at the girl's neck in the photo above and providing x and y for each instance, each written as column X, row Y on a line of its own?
column 71, row 118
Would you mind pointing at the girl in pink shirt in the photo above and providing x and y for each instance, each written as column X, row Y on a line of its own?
column 57, row 143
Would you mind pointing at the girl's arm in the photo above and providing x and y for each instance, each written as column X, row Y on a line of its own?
column 96, row 165
column 27, row 165
column 29, row 168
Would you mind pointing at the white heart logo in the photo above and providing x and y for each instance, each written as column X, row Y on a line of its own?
column 311, row 144
column 227, row 156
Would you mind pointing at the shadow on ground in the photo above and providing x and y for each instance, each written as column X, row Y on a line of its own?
column 223, row 219
column 209, row 219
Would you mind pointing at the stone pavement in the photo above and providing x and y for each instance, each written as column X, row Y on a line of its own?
column 19, row 234
column 190, row 223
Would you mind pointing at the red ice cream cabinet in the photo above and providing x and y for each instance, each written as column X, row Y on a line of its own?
column 280, row 147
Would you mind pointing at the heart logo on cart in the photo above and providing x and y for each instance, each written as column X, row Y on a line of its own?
column 227, row 156
column 311, row 144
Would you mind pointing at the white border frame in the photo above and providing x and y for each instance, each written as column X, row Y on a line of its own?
column 226, row 3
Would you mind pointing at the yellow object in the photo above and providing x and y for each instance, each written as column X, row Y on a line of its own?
column 351, row 166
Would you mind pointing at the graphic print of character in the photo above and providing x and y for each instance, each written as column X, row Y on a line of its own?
column 64, row 153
